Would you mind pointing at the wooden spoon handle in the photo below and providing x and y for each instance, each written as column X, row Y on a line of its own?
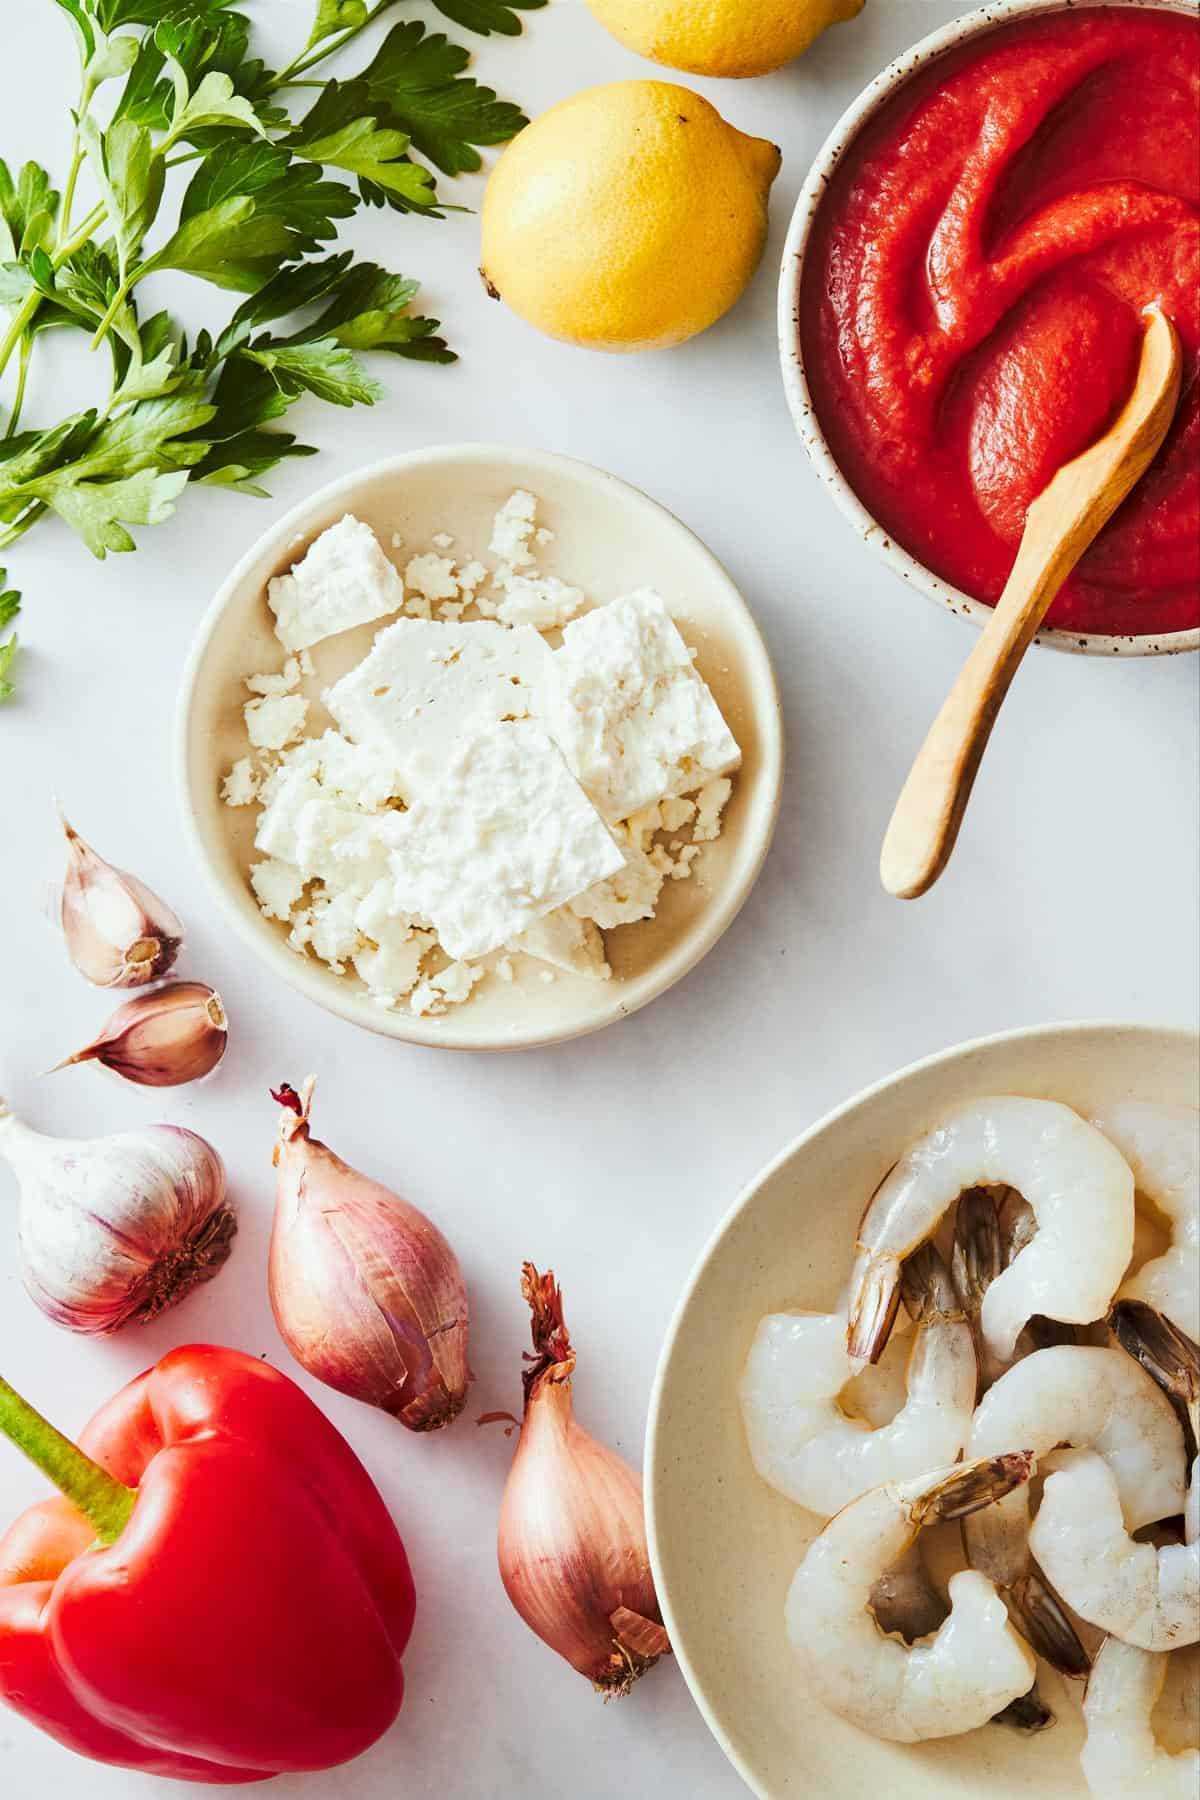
column 1059, row 526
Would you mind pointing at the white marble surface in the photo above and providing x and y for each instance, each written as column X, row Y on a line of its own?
column 1073, row 894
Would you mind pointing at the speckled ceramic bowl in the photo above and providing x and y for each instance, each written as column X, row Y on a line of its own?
column 610, row 539
column 725, row 1545
column 795, row 381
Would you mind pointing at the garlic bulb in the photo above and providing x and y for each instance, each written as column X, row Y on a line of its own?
column 118, row 933
column 116, row 1228
column 368, row 1295
column 176, row 1033
column 572, row 1540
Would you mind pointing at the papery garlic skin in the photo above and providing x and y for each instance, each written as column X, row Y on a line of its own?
column 116, row 1228
column 177, row 1033
column 118, row 932
column 367, row 1294
column 572, row 1539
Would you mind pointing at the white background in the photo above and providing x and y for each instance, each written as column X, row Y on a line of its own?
column 1073, row 894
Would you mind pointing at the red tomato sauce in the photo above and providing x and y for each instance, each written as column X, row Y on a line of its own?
column 971, row 303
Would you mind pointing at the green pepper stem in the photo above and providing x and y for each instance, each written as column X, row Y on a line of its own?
column 107, row 1503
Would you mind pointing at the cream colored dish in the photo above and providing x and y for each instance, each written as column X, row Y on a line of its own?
column 608, row 537
column 725, row 1546
column 857, row 116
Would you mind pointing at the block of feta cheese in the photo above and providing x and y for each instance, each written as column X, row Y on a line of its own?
column 628, row 710
column 503, row 836
column 427, row 685
column 344, row 580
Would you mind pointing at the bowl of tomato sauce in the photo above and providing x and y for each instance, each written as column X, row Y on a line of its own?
column 962, row 301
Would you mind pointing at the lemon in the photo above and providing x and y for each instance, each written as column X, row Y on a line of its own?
column 629, row 217
column 721, row 37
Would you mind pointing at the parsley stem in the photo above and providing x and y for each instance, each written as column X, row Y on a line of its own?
column 329, row 47
column 19, row 395
column 16, row 329
column 29, row 517
column 68, row 199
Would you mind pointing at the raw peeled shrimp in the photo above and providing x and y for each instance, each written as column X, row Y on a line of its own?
column 1145, row 1595
column 1121, row 1757
column 974, row 1666
column 1161, row 1144
column 1079, row 1187
column 991, row 1228
column 802, row 1442
column 1090, row 1398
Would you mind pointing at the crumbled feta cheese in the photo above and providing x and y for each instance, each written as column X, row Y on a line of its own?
column 512, row 529
column 417, row 606
column 432, row 577
column 241, row 786
column 567, row 941
column 470, row 576
column 275, row 721
column 547, row 975
column 307, row 666
column 397, row 541
column 504, row 836
column 449, row 988
column 542, row 536
column 344, row 580
column 426, row 687
column 283, row 683
column 333, row 935
column 390, row 969
column 542, row 601
column 632, row 717
column 442, row 540
column 277, row 887
column 621, row 899
column 504, row 969
column 711, row 801
column 675, row 814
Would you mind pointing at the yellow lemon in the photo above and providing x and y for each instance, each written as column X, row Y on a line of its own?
column 627, row 218
column 721, row 37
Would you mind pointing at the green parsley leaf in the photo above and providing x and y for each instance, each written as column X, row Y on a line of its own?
column 288, row 292
column 28, row 207
column 211, row 99
column 334, row 16
column 99, row 510
column 323, row 367
column 341, row 132
column 486, row 16
column 416, row 79
column 10, row 602
column 83, row 24
column 8, row 652
column 241, row 461
column 129, row 175
column 247, row 209
column 369, row 311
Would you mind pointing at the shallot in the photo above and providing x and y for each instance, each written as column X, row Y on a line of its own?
column 116, row 1228
column 572, row 1541
column 367, row 1294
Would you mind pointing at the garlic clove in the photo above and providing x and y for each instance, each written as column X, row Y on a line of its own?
column 116, row 1228
column 176, row 1033
column 118, row 932
column 367, row 1294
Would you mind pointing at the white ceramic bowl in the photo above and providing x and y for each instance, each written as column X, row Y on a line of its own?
column 725, row 1545
column 609, row 538
column 947, row 37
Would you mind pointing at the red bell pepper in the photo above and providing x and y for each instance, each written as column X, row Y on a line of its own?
column 218, row 1594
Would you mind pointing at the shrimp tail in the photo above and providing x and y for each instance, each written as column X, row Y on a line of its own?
column 1165, row 1352
column 1042, row 1620
column 874, row 1303
column 928, row 1293
column 1027, row 1713
column 967, row 1487
column 978, row 1254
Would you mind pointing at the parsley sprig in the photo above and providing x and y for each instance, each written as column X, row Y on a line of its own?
column 281, row 158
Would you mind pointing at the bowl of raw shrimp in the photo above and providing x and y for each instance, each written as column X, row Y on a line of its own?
column 919, row 1473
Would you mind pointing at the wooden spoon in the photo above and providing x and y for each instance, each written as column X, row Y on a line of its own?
column 1059, row 526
